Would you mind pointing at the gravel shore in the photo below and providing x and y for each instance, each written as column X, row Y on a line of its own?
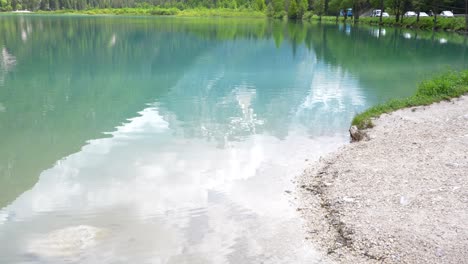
column 399, row 197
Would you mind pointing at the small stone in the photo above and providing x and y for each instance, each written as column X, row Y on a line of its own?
column 357, row 135
column 451, row 165
column 404, row 201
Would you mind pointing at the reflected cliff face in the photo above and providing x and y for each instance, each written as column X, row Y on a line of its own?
column 164, row 140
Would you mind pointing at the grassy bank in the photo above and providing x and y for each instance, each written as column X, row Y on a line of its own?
column 425, row 23
column 443, row 87
column 160, row 11
column 221, row 12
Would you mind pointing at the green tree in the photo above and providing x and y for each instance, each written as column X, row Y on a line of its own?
column 260, row 5
column 319, row 7
column 53, row 4
column 278, row 6
column 292, row 11
column 302, row 8
column 44, row 5
column 396, row 7
column 5, row 5
column 334, row 7
column 270, row 12
column 357, row 7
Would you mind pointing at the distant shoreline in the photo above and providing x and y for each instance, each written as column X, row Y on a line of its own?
column 456, row 24
column 156, row 11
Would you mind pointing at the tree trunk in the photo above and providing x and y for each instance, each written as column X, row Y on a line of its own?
column 466, row 15
column 382, row 10
column 356, row 12
column 326, row 7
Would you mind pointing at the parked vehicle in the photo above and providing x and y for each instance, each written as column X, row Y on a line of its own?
column 410, row 14
column 423, row 14
column 376, row 13
column 346, row 13
column 446, row 14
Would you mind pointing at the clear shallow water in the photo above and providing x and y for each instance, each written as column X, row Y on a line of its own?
column 170, row 140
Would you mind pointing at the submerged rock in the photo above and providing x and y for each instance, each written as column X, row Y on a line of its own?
column 66, row 242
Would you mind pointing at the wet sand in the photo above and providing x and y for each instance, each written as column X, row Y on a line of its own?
column 400, row 197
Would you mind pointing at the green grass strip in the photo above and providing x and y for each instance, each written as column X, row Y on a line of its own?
column 442, row 87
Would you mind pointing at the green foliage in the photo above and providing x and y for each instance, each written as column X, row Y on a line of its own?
column 232, row 4
column 196, row 12
column 278, row 5
column 443, row 87
column 281, row 15
column 319, row 7
column 260, row 5
column 276, row 9
column 327, row 19
column 334, row 7
column 292, row 11
column 220, row 12
column 307, row 15
column 5, row 5
column 164, row 11
column 302, row 8
column 270, row 12
column 82, row 5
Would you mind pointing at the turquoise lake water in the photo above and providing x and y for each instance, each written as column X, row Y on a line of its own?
column 177, row 140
